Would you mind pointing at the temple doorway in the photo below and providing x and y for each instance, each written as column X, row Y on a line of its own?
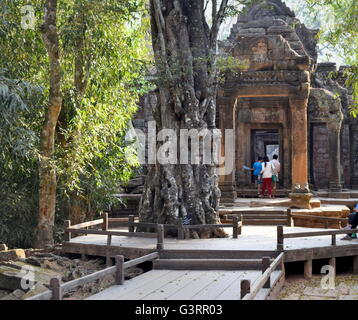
column 266, row 142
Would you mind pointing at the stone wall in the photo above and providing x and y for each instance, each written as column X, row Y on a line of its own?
column 320, row 156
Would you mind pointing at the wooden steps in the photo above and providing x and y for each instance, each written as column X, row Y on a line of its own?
column 207, row 264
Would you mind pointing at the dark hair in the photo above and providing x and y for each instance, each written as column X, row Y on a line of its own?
column 259, row 159
column 266, row 159
column 275, row 156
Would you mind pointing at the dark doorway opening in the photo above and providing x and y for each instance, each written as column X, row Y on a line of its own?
column 265, row 143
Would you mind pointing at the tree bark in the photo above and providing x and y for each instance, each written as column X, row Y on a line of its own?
column 185, row 53
column 47, row 167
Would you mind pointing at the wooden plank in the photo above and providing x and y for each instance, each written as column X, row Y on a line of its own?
column 114, row 233
column 134, row 262
column 42, row 296
column 118, row 291
column 87, row 224
column 233, row 292
column 208, row 226
column 217, row 287
column 173, row 286
column 218, row 254
column 157, row 283
column 265, row 277
column 318, row 233
column 207, row 264
column 100, row 250
column 197, row 285
column 298, row 255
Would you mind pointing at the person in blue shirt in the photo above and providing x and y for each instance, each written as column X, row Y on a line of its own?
column 256, row 168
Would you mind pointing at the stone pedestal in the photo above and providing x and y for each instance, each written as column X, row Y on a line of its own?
column 301, row 200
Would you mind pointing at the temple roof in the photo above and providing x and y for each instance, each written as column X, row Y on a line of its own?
column 273, row 18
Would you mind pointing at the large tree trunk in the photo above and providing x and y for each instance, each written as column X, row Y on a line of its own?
column 47, row 170
column 185, row 53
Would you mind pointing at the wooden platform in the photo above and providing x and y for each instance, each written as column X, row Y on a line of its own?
column 185, row 285
column 254, row 238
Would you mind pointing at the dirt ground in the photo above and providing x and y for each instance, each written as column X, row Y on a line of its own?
column 345, row 287
column 54, row 264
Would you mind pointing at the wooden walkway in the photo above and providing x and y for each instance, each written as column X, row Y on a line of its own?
column 252, row 238
column 185, row 285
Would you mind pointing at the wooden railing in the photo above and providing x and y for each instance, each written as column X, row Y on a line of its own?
column 83, row 228
column 58, row 289
column 248, row 293
column 333, row 233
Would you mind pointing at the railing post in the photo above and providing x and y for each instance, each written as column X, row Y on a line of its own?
column 326, row 224
column 235, row 227
column 160, row 237
column 245, row 288
column 241, row 222
column 280, row 238
column 120, row 270
column 289, row 218
column 105, row 221
column 108, row 258
column 180, row 229
column 334, row 240
column 355, row 265
column 266, row 261
column 130, row 220
column 67, row 234
column 55, row 286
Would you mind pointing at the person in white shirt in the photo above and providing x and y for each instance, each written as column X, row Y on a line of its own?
column 267, row 173
column 277, row 169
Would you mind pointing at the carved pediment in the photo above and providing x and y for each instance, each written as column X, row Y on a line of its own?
column 270, row 9
column 264, row 53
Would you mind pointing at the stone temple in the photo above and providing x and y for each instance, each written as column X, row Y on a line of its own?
column 283, row 101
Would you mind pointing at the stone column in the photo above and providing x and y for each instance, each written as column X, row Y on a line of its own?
column 335, row 181
column 299, row 142
column 300, row 195
column 227, row 182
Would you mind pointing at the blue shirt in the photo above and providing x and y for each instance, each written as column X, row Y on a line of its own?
column 257, row 168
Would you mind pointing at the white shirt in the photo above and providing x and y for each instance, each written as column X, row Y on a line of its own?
column 267, row 171
column 277, row 166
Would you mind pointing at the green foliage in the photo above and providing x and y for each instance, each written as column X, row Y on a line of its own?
column 111, row 39
column 18, row 157
column 342, row 33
